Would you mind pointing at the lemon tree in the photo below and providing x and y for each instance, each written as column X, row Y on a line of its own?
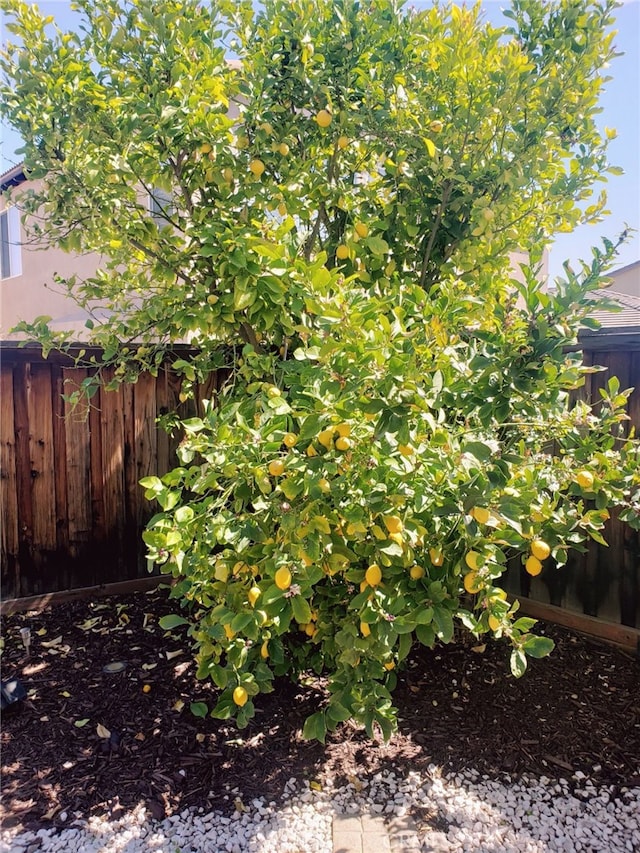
column 335, row 215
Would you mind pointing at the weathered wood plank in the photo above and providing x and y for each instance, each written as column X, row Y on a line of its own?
column 61, row 462
column 95, row 471
column 162, row 408
column 146, row 450
column 112, row 432
column 620, row 635
column 43, row 473
column 21, row 383
column 78, row 453
column 39, row 602
column 8, row 493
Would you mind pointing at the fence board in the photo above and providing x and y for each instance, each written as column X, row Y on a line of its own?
column 97, row 455
column 8, row 495
column 78, row 466
column 59, row 452
column 113, row 485
column 43, row 492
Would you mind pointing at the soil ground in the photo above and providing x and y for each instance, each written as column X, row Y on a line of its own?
column 459, row 707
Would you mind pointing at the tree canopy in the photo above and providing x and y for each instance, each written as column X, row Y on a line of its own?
column 338, row 190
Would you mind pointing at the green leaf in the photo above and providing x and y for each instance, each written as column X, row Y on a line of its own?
column 443, row 619
column 518, row 663
column 172, row 620
column 151, row 484
column 199, row 709
column 538, row 647
column 315, row 727
column 301, row 609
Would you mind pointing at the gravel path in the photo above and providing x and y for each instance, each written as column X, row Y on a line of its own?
column 464, row 812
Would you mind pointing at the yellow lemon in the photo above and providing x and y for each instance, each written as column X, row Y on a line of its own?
column 325, row 438
column 283, row 148
column 273, row 391
column 310, row 629
column 276, row 467
column 472, row 582
column 471, row 559
column 344, row 429
column 283, row 578
column 436, row 555
column 373, row 575
column 481, row 514
column 343, row 443
column 290, row 439
column 361, row 229
column 227, row 174
column 494, row 622
column 540, row 549
column 436, row 126
column 533, row 566
column 500, row 594
column 342, row 252
column 416, row 572
column 324, row 118
column 253, row 595
column 240, row 696
column 584, row 479
column 257, row 167
column 343, row 142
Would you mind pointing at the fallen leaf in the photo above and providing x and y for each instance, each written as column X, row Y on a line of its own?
column 239, row 805
column 357, row 784
column 124, row 619
column 139, row 736
column 51, row 813
column 66, row 694
column 315, row 786
column 148, row 666
column 51, row 643
column 479, row 649
column 41, row 632
column 200, row 737
column 80, row 723
column 178, row 705
column 172, row 655
column 89, row 623
column 103, row 732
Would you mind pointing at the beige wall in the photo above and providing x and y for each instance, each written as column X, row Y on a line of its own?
column 34, row 292
column 627, row 279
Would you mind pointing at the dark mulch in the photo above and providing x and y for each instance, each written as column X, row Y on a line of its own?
column 459, row 708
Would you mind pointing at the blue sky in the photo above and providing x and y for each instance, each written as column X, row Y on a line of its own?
column 620, row 110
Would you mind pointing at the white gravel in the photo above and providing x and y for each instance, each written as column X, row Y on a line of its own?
column 484, row 815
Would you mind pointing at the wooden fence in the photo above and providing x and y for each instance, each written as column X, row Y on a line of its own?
column 73, row 512
column 605, row 581
column 72, row 509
